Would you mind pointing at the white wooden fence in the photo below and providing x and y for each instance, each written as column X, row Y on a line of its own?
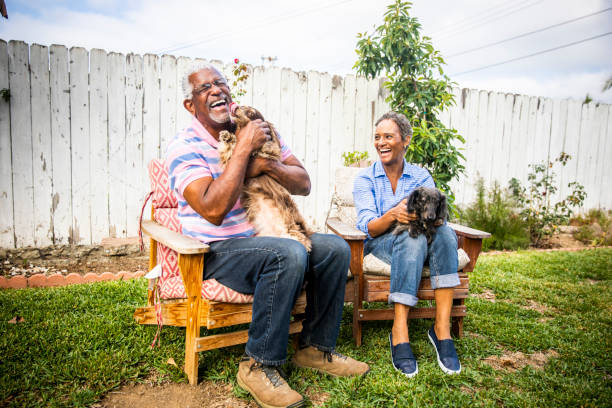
column 79, row 128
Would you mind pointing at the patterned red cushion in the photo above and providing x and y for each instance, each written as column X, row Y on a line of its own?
column 172, row 288
column 163, row 197
column 171, row 283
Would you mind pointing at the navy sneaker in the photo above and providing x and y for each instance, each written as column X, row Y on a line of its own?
column 402, row 358
column 447, row 355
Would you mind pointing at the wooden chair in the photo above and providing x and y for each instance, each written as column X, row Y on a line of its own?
column 184, row 299
column 370, row 276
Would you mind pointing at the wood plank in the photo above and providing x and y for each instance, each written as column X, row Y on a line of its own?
column 231, row 339
column 21, row 137
column 346, row 231
column 468, row 232
column 273, row 95
column 373, row 92
column 137, row 186
column 496, row 140
column 42, row 163
column 179, row 242
column 98, row 130
column 381, row 285
column 191, row 267
column 605, row 193
column 150, row 111
column 338, row 143
column 169, row 103
column 363, row 113
column 60, row 146
column 7, row 230
column 312, row 144
column 80, row 146
column 286, row 107
column 151, row 132
column 298, row 127
column 348, row 135
column 117, row 165
column 216, row 319
column 415, row 313
column 557, row 139
column 422, row 294
column 598, row 163
column 183, row 117
column 323, row 182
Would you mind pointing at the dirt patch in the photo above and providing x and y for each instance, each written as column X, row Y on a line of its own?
column 112, row 255
column 538, row 307
column 564, row 239
column 513, row 361
column 486, row 295
column 206, row 394
column 316, row 397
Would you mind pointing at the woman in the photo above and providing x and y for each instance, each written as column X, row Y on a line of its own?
column 380, row 193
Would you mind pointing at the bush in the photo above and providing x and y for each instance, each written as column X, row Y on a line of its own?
column 493, row 211
column 541, row 216
column 418, row 88
column 595, row 228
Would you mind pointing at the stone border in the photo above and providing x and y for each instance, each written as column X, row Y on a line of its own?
column 40, row 280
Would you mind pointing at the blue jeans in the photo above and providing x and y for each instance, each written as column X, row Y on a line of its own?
column 274, row 271
column 407, row 255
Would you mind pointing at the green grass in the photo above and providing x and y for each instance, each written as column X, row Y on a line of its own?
column 79, row 342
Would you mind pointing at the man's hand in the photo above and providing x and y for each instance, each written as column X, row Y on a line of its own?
column 253, row 135
column 400, row 213
column 259, row 165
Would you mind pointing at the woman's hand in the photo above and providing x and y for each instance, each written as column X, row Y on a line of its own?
column 400, row 213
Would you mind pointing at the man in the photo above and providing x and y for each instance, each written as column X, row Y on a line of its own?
column 272, row 269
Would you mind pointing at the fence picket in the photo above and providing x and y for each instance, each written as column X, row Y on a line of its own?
column 136, row 184
column 98, row 125
column 21, row 129
column 169, row 104
column 117, row 165
column 7, row 230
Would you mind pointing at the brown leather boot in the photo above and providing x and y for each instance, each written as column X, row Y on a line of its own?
column 329, row 362
column 266, row 385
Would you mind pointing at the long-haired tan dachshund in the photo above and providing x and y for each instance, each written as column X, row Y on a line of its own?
column 269, row 206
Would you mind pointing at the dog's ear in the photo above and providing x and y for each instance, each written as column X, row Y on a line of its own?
column 442, row 211
column 413, row 198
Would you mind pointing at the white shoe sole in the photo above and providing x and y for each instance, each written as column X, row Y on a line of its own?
column 442, row 367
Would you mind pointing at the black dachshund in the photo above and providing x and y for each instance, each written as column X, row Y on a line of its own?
column 430, row 207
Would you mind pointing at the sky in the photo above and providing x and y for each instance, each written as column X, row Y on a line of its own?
column 321, row 35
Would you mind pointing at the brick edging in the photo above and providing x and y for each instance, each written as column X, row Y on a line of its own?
column 39, row 280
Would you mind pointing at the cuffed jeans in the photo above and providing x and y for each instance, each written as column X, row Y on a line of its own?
column 407, row 255
column 274, row 271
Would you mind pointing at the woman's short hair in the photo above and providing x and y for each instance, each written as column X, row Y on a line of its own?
column 401, row 121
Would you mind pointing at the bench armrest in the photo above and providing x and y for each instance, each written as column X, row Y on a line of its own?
column 179, row 242
column 346, row 231
column 463, row 231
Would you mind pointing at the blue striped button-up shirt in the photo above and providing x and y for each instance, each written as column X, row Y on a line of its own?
column 373, row 195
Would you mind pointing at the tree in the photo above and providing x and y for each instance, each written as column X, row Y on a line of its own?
column 418, row 88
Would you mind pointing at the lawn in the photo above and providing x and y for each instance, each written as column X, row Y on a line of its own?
column 79, row 342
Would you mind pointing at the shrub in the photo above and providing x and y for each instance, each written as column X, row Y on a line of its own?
column 595, row 228
column 354, row 158
column 541, row 216
column 494, row 212
column 418, row 88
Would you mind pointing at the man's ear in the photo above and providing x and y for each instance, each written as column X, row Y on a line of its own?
column 188, row 104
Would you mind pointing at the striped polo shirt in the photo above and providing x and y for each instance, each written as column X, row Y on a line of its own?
column 373, row 195
column 191, row 155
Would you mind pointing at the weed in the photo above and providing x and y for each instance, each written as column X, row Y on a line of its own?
column 494, row 212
